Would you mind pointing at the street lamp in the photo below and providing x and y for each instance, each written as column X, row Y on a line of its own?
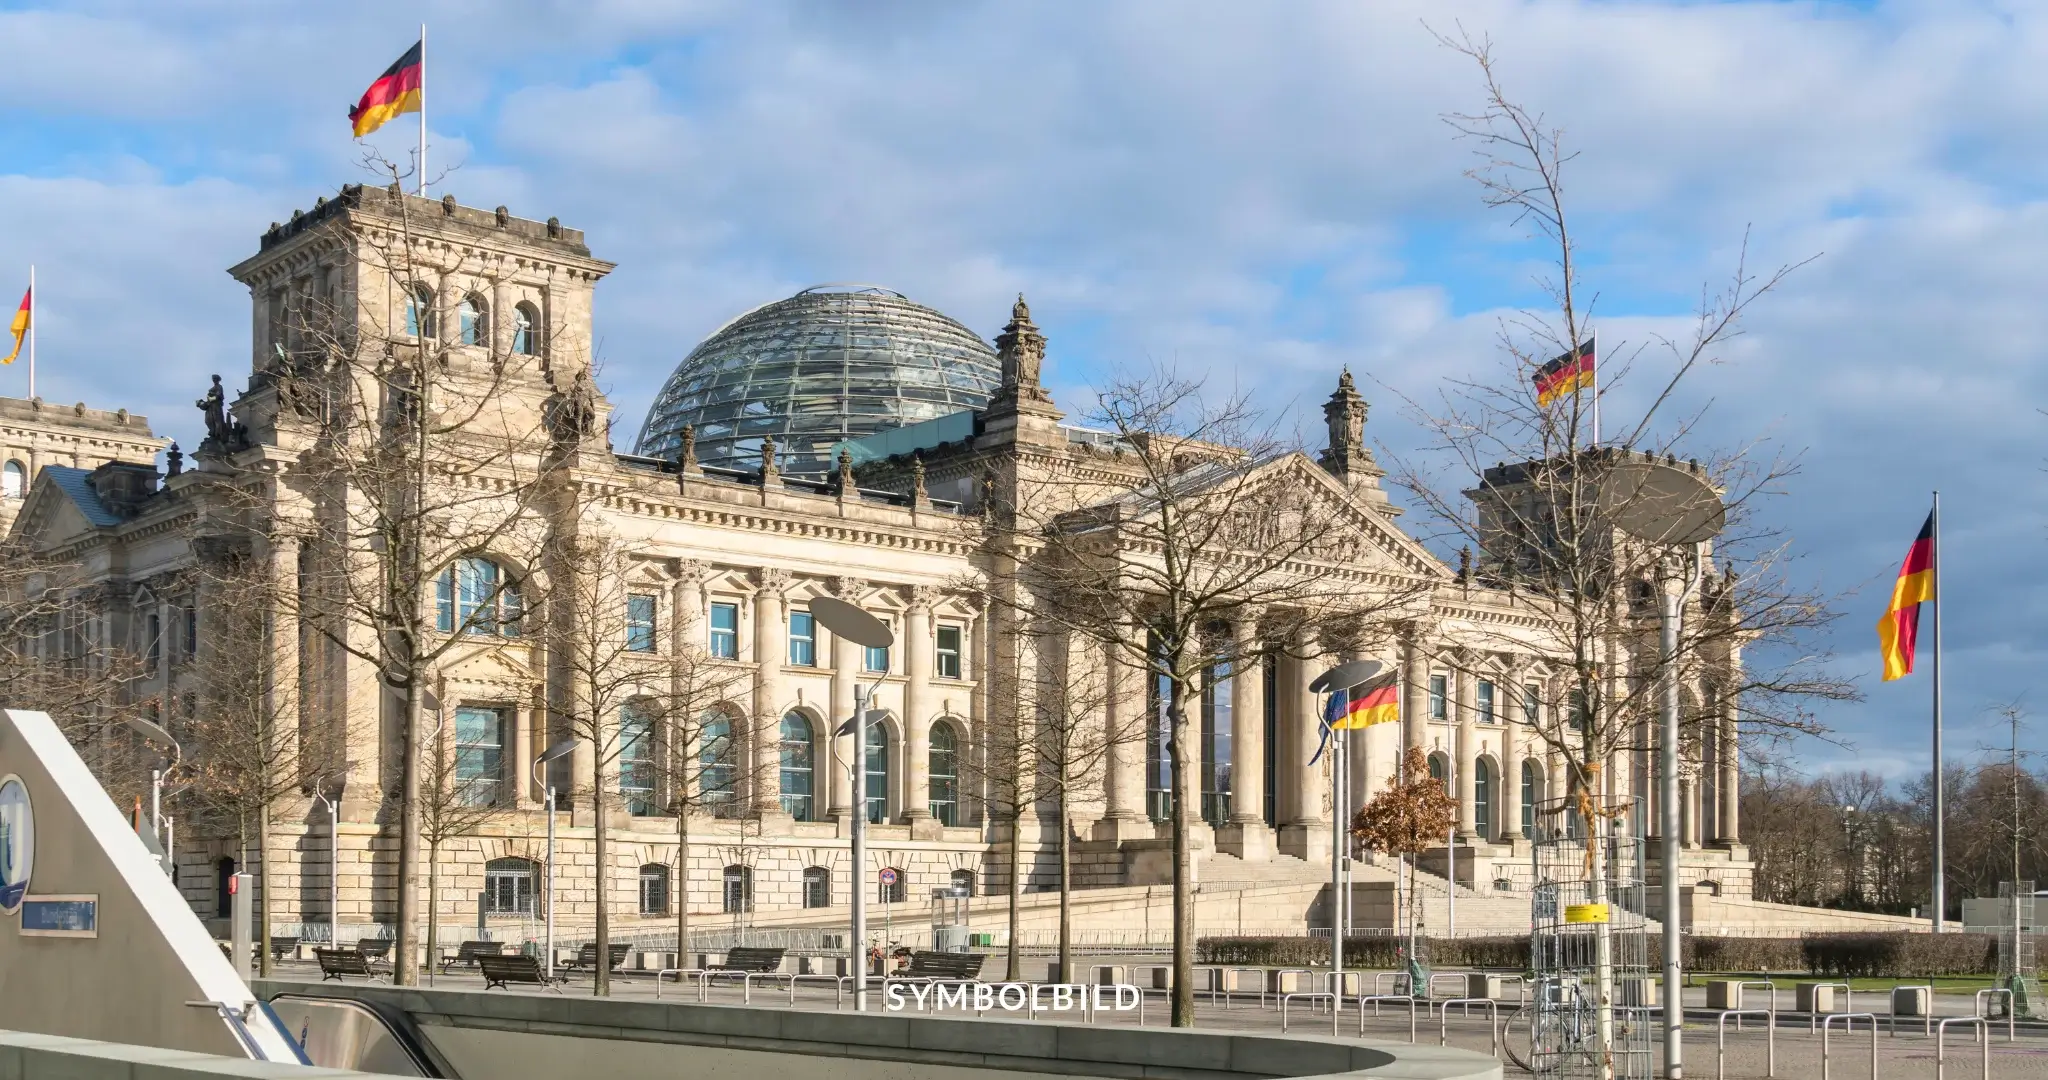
column 1342, row 677
column 155, row 733
column 863, row 629
column 333, row 808
column 1667, row 507
column 553, row 753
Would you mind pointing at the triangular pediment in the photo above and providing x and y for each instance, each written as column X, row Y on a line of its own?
column 49, row 518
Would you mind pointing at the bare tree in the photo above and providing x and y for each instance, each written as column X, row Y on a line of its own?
column 702, row 769
column 419, row 447
column 248, row 753
column 1003, row 770
column 458, row 792
column 1199, row 513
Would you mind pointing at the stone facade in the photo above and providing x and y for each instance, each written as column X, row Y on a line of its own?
column 35, row 433
column 722, row 566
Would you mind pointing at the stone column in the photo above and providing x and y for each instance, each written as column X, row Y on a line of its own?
column 1731, row 780
column 841, row 748
column 1247, row 836
column 1414, row 690
column 530, row 744
column 770, row 643
column 1465, row 751
column 1513, row 718
column 917, row 721
column 1306, row 833
column 1124, row 777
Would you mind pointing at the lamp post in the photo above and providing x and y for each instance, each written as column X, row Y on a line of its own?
column 155, row 733
column 559, row 750
column 1343, row 677
column 1666, row 507
column 857, row 626
column 333, row 867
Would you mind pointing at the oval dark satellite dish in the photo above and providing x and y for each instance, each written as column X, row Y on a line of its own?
column 1661, row 504
column 851, row 623
column 1346, row 676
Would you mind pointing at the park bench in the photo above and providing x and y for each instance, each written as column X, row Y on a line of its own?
column 501, row 970
column 374, row 950
column 942, row 967
column 746, row 964
column 586, row 957
column 469, row 951
column 335, row 963
column 281, row 947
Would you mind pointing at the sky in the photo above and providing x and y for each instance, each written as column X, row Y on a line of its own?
column 1258, row 193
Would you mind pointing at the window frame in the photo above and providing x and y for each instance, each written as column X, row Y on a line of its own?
column 944, row 788
column 500, row 872
column 525, row 329
column 486, row 788
column 876, row 740
column 1439, row 698
column 639, row 800
column 817, row 886
column 723, row 643
column 643, row 635
column 803, row 646
column 1484, row 703
column 785, row 746
column 421, row 319
column 13, row 479
column 738, row 901
column 661, row 874
column 473, row 321
column 957, row 654
column 463, row 589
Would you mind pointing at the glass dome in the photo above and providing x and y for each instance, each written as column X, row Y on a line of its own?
column 833, row 362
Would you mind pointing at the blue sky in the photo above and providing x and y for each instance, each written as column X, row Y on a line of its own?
column 1263, row 192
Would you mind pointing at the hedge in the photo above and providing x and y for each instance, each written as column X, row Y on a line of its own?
column 1895, row 954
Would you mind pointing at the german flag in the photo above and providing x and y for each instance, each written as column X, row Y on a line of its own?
column 1567, row 374
column 19, row 327
column 1900, row 626
column 396, row 91
column 1374, row 703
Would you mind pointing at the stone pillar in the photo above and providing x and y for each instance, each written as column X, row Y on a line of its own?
column 917, row 721
column 1247, row 835
column 841, row 748
column 770, row 644
column 1466, row 753
column 533, row 734
column 1731, row 780
column 1306, row 833
column 1514, row 735
column 1124, row 777
column 1414, row 691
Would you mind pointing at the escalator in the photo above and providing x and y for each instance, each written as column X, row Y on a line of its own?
column 337, row 1033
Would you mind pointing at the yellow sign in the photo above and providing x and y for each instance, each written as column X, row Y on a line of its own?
column 1585, row 913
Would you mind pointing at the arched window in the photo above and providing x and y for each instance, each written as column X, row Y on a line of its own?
column 1440, row 770
column 479, row 597
column 1482, row 798
column 964, row 880
column 817, row 887
column 473, row 321
column 797, row 755
column 636, row 758
column 508, row 886
column 13, row 480
column 223, row 887
column 1532, row 793
column 899, row 888
column 945, row 773
column 875, row 769
column 419, row 313
column 525, row 330
column 715, row 762
column 739, row 889
column 654, row 889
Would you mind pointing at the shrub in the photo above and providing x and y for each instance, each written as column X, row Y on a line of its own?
column 1895, row 954
column 1900, row 953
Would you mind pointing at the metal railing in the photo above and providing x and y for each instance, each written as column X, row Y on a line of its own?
column 1770, row 1016
column 1941, row 1050
column 1848, row 1027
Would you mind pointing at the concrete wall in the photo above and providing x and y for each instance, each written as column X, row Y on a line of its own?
column 25, row 1056
column 541, row 1037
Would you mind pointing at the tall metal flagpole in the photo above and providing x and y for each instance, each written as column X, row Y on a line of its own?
column 1934, row 564
column 421, row 187
column 1596, row 390
column 32, row 331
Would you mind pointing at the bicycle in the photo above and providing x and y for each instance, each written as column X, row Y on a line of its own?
column 1573, row 1018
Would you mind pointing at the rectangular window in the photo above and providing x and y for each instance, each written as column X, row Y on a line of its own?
column 479, row 755
column 508, row 890
column 1484, row 698
column 948, row 661
column 156, row 643
column 640, row 622
column 725, row 632
column 653, row 889
column 876, row 660
column 1216, row 748
column 1581, row 712
column 636, row 760
column 191, row 632
column 1438, row 687
column 803, row 639
column 1532, row 704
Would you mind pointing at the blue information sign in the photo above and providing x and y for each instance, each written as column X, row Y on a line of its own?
column 60, row 916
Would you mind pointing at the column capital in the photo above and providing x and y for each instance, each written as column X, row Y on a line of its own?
column 923, row 598
column 849, row 589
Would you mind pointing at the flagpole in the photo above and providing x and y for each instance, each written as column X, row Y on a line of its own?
column 1934, row 565
column 421, row 187
column 31, row 331
column 1596, row 391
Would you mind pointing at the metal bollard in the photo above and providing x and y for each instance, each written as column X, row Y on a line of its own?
column 1443, row 1034
column 1770, row 1039
column 1848, row 1025
column 1941, row 1037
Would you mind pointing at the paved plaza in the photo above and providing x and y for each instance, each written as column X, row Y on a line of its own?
column 1906, row 1052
